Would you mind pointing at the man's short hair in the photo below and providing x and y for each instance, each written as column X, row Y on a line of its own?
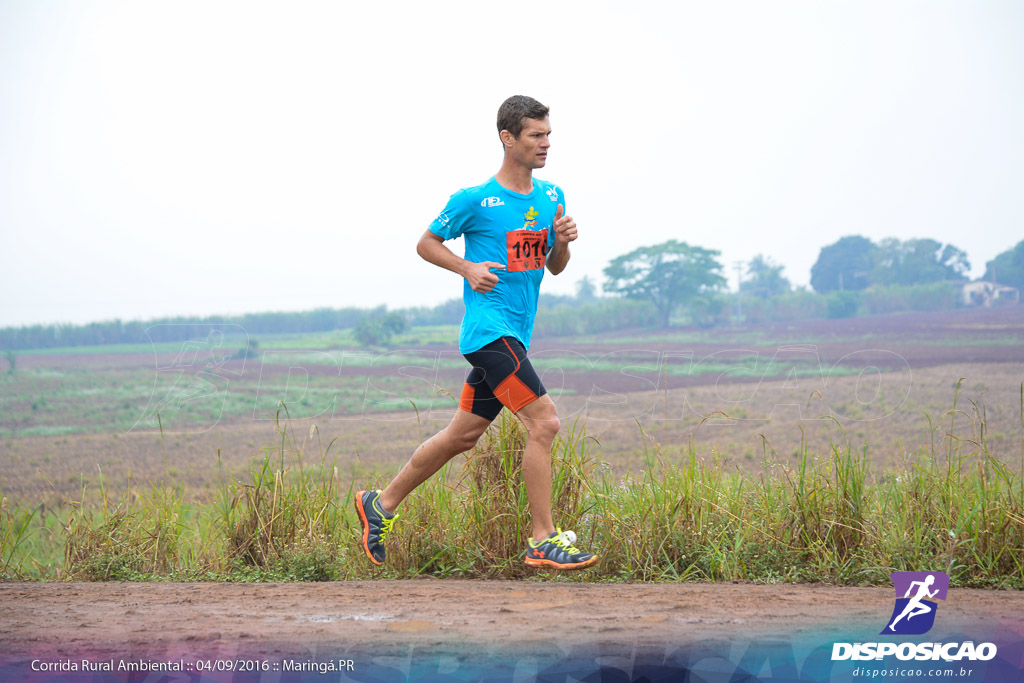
column 516, row 108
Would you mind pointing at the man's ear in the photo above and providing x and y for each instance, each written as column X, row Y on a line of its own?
column 506, row 138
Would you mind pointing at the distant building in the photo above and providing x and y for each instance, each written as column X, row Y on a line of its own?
column 985, row 293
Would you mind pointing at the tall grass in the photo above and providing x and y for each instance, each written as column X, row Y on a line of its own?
column 952, row 505
column 15, row 530
column 287, row 514
column 473, row 520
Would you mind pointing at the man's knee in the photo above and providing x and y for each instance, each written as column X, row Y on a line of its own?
column 544, row 426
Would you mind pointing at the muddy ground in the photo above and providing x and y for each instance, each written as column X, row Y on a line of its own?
column 462, row 616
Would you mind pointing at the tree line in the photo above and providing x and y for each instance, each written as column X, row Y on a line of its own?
column 913, row 274
column 649, row 286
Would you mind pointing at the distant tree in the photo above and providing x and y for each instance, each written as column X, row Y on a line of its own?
column 586, row 291
column 917, row 261
column 844, row 265
column 764, row 278
column 954, row 260
column 450, row 312
column 378, row 330
column 842, row 304
column 251, row 350
column 369, row 333
column 394, row 323
column 708, row 310
column 445, row 313
column 548, row 300
column 667, row 274
column 1008, row 267
column 179, row 328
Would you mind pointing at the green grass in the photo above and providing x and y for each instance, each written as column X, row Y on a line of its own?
column 40, row 402
column 952, row 506
column 747, row 337
column 49, row 402
column 737, row 366
column 425, row 335
column 448, row 335
column 345, row 378
column 1006, row 340
column 365, row 358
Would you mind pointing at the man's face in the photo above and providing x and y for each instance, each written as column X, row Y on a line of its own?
column 530, row 149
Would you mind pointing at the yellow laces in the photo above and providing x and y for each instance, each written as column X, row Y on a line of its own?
column 385, row 526
column 562, row 540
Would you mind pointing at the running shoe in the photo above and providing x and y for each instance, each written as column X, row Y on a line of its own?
column 376, row 524
column 557, row 551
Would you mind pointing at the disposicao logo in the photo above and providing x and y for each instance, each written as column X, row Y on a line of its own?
column 914, row 614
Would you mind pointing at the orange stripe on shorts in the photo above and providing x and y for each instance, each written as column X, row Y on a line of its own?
column 518, row 363
column 514, row 394
column 466, row 400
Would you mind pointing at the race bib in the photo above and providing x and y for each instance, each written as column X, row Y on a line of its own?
column 527, row 249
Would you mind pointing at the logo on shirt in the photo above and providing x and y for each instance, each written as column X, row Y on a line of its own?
column 443, row 219
column 492, row 201
column 553, row 193
column 531, row 218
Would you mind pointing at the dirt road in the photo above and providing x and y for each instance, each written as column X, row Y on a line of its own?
column 109, row 619
column 460, row 631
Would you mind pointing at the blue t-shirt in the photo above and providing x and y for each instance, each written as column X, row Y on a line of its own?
column 509, row 228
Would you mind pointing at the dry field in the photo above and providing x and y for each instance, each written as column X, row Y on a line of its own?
column 745, row 396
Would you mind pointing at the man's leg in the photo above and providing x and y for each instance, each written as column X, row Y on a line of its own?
column 541, row 421
column 376, row 510
column 546, row 548
column 523, row 393
column 459, row 436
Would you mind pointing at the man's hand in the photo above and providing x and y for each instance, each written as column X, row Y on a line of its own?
column 480, row 277
column 565, row 227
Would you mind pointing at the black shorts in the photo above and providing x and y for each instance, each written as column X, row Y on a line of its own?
column 501, row 376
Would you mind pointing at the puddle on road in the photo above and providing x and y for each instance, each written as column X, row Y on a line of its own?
column 329, row 618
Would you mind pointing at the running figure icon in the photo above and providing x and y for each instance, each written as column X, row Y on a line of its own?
column 916, row 606
column 917, row 595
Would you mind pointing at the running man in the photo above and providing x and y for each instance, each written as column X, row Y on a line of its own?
column 916, row 606
column 514, row 226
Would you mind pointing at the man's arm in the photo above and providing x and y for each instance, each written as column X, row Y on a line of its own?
column 558, row 257
column 431, row 248
column 565, row 232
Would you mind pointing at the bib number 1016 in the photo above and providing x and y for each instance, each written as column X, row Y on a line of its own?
column 527, row 249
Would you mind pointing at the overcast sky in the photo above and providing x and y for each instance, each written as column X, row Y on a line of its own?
column 221, row 158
